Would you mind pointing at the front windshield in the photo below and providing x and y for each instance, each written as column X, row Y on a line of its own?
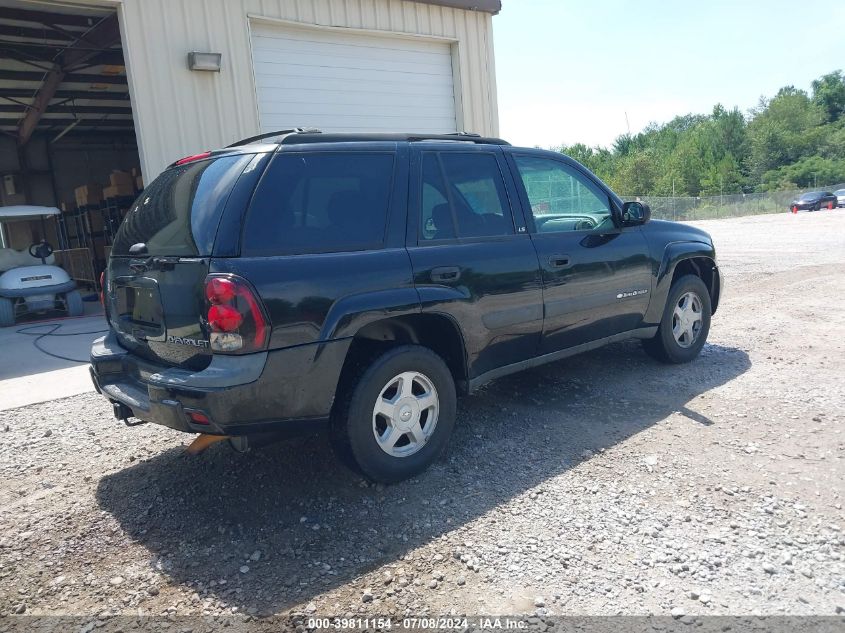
column 810, row 195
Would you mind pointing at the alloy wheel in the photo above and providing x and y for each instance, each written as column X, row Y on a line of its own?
column 405, row 414
column 687, row 319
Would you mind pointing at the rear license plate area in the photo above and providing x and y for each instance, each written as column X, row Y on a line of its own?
column 138, row 308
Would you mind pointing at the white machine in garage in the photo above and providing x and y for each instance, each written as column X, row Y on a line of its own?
column 28, row 281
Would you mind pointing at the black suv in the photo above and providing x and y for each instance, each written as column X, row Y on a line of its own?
column 360, row 282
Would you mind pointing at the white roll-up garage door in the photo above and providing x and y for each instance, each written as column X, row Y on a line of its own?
column 351, row 82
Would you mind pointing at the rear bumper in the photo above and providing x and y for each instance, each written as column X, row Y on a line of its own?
column 282, row 390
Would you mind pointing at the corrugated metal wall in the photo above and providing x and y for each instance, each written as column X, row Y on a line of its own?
column 179, row 112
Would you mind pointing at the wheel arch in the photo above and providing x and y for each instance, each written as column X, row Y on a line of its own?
column 685, row 258
column 435, row 331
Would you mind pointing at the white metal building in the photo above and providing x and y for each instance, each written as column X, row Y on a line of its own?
column 339, row 65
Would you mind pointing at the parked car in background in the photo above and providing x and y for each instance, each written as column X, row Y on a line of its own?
column 840, row 197
column 358, row 283
column 813, row 201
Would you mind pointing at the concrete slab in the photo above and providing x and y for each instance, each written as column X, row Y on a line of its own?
column 46, row 360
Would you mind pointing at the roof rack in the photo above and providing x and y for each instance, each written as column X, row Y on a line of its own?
column 303, row 135
column 278, row 133
column 342, row 137
column 470, row 137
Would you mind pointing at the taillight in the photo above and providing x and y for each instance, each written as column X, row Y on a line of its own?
column 224, row 319
column 102, row 288
column 219, row 290
column 191, row 159
column 236, row 318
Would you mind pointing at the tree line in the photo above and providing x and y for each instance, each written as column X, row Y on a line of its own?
column 793, row 140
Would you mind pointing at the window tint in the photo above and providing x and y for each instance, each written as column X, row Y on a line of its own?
column 179, row 212
column 463, row 195
column 561, row 198
column 320, row 203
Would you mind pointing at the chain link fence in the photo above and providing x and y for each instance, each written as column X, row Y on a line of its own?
column 727, row 206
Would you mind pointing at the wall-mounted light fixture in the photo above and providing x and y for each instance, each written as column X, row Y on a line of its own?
column 205, row 61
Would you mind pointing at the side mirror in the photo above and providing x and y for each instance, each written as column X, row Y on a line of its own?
column 635, row 213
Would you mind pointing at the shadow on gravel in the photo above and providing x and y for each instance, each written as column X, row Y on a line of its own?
column 317, row 526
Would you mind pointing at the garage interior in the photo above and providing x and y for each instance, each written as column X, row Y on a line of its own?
column 67, row 138
column 72, row 138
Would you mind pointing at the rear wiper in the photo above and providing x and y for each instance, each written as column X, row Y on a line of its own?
column 153, row 263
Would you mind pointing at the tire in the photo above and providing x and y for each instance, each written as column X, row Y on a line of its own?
column 425, row 379
column 817, row 207
column 75, row 307
column 664, row 346
column 7, row 312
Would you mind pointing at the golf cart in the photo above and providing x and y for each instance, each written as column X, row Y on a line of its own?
column 28, row 283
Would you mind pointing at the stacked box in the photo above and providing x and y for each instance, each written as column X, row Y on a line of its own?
column 89, row 194
column 120, row 184
column 139, row 179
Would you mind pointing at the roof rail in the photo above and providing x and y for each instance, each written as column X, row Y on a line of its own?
column 278, row 133
column 306, row 137
column 468, row 137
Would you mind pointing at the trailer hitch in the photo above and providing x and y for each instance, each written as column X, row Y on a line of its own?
column 123, row 413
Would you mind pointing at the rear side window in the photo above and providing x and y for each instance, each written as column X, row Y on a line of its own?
column 463, row 195
column 179, row 212
column 320, row 203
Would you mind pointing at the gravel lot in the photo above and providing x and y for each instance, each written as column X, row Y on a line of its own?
column 601, row 484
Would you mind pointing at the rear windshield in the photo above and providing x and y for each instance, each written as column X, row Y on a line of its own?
column 179, row 212
column 320, row 203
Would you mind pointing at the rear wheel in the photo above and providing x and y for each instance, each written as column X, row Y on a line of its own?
column 7, row 312
column 396, row 417
column 685, row 324
column 73, row 301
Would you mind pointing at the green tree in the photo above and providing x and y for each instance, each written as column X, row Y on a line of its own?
column 793, row 139
column 782, row 131
column 829, row 94
column 811, row 171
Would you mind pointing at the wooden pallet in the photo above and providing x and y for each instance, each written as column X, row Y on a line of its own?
column 79, row 264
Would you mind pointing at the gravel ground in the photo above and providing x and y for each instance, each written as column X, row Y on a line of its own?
column 601, row 484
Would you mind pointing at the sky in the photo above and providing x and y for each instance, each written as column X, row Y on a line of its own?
column 568, row 71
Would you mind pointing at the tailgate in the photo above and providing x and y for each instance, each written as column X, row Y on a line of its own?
column 157, row 312
column 155, row 291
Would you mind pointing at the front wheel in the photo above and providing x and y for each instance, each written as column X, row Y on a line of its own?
column 397, row 417
column 685, row 324
column 73, row 302
column 7, row 312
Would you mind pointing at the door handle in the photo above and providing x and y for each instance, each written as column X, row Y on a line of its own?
column 446, row 273
column 559, row 262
